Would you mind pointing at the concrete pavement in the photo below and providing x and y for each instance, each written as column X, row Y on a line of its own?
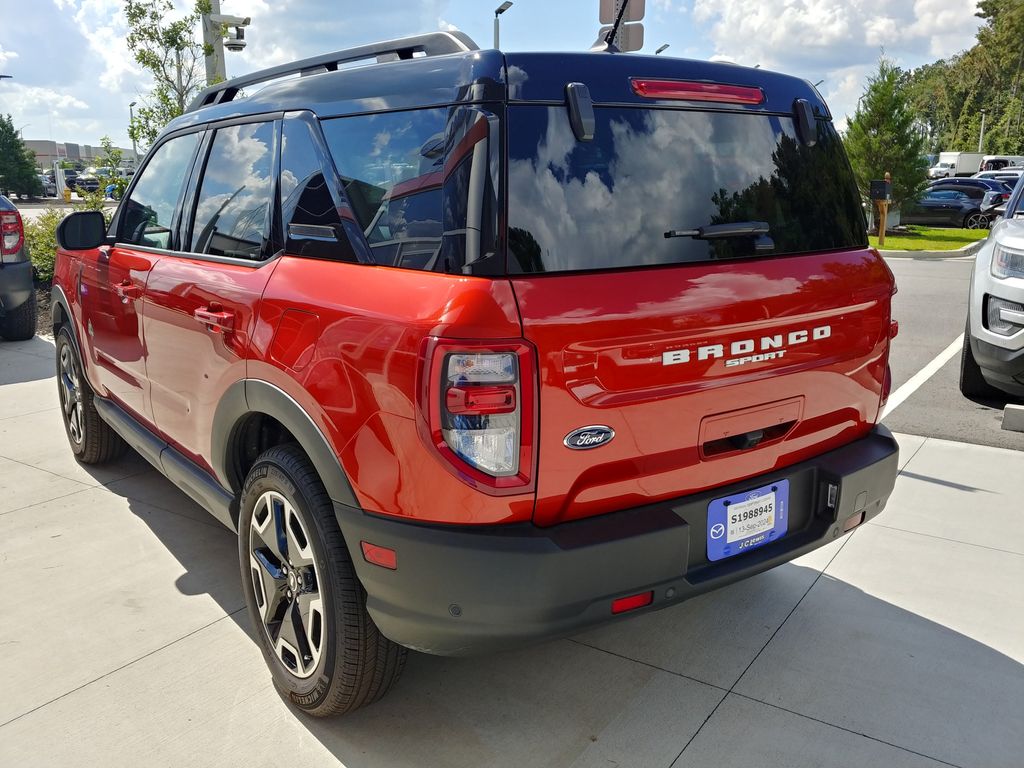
column 124, row 641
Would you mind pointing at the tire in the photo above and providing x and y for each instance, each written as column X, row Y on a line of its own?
column 91, row 438
column 20, row 324
column 972, row 384
column 976, row 220
column 332, row 659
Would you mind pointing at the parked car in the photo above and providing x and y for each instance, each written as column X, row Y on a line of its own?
column 85, row 183
column 49, row 187
column 948, row 205
column 408, row 350
column 992, row 360
column 941, row 170
column 17, row 294
column 983, row 184
column 1007, row 175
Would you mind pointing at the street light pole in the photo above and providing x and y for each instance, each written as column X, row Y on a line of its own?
column 497, row 23
column 981, row 137
column 661, row 48
column 131, row 124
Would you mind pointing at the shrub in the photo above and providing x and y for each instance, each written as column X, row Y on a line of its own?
column 41, row 241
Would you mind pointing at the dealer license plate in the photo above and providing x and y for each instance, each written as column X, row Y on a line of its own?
column 747, row 520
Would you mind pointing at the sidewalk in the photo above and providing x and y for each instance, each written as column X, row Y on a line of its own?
column 125, row 641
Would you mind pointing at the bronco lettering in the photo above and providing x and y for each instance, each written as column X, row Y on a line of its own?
column 743, row 348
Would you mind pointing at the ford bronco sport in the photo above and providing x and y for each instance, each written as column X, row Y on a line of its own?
column 476, row 348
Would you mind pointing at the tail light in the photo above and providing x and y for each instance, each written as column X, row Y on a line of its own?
column 477, row 410
column 12, row 233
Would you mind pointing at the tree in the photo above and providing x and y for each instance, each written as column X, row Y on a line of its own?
column 17, row 164
column 111, row 158
column 169, row 51
column 882, row 137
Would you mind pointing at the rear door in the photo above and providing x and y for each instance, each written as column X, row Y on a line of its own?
column 201, row 300
column 114, row 278
column 710, row 361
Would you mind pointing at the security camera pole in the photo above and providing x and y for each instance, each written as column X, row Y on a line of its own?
column 213, row 40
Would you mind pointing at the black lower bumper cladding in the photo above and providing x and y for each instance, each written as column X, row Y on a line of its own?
column 460, row 590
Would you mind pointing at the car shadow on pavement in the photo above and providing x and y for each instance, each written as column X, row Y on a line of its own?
column 24, row 361
column 865, row 665
column 843, row 657
column 945, row 483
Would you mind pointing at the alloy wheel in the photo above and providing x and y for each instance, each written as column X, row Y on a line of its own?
column 71, row 395
column 286, row 584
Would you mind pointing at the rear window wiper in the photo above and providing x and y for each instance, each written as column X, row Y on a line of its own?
column 755, row 229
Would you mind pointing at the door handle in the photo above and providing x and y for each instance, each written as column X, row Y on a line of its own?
column 217, row 321
column 126, row 290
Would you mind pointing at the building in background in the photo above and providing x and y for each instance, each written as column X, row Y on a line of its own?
column 48, row 152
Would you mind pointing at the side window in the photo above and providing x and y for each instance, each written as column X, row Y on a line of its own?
column 147, row 214
column 392, row 167
column 313, row 225
column 233, row 207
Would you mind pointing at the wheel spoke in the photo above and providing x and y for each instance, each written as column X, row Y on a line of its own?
column 269, row 584
column 267, row 530
column 299, row 550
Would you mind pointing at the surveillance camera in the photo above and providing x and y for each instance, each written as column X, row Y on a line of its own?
column 235, row 42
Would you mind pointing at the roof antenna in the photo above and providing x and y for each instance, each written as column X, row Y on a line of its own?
column 605, row 43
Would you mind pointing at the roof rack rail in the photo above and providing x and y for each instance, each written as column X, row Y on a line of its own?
column 430, row 44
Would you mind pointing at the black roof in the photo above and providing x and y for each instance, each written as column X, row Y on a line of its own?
column 487, row 75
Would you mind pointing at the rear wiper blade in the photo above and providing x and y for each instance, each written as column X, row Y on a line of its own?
column 718, row 231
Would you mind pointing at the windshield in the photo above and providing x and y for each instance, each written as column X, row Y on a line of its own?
column 608, row 203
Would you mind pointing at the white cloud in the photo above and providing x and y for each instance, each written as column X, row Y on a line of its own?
column 445, row 26
column 837, row 40
column 6, row 56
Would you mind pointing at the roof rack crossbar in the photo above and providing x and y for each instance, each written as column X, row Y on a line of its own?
column 431, row 44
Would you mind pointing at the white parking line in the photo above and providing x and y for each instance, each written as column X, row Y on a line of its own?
column 914, row 383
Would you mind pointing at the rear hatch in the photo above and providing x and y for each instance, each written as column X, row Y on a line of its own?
column 711, row 356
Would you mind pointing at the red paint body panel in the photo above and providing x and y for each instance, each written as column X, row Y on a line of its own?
column 601, row 337
column 110, row 295
column 190, row 363
column 360, row 385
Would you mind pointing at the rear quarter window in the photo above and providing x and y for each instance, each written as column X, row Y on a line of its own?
column 607, row 203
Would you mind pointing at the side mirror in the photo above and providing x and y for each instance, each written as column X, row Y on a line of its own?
column 82, row 231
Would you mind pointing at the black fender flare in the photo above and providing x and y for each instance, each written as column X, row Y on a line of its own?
column 59, row 304
column 248, row 396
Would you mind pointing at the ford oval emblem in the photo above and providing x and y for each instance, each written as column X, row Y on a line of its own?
column 585, row 438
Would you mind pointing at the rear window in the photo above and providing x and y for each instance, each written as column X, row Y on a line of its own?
column 607, row 203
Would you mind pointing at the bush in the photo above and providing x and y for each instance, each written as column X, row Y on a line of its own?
column 41, row 241
column 41, row 233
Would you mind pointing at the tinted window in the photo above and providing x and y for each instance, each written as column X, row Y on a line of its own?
column 608, row 203
column 146, row 216
column 313, row 225
column 232, row 215
column 391, row 166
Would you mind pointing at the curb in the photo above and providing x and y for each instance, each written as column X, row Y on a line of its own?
column 959, row 253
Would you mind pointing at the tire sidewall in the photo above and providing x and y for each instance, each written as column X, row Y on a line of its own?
column 267, row 475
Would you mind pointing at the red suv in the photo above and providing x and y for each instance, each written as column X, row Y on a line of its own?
column 476, row 348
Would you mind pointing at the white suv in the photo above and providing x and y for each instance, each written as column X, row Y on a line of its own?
column 992, row 363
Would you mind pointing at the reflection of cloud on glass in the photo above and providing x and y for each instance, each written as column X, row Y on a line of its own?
column 591, row 203
column 380, row 141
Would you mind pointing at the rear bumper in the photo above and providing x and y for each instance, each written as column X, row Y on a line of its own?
column 464, row 590
column 15, row 285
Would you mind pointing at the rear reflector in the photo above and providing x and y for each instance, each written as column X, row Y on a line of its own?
column 692, row 91
column 632, row 602
column 853, row 522
column 382, row 556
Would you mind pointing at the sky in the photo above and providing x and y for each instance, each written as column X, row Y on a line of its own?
column 73, row 76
